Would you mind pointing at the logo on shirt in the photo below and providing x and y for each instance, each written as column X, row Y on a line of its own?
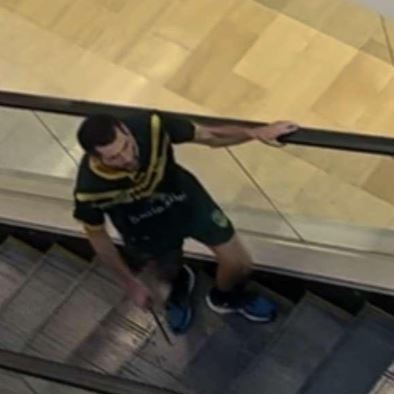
column 158, row 204
column 219, row 218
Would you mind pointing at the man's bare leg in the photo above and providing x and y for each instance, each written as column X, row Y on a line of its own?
column 229, row 294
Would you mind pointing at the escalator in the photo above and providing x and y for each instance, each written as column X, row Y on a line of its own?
column 66, row 327
column 61, row 308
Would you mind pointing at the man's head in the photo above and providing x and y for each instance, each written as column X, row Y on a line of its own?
column 110, row 141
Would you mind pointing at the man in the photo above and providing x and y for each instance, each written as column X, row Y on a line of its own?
column 129, row 175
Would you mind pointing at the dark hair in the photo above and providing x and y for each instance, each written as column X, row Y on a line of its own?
column 97, row 130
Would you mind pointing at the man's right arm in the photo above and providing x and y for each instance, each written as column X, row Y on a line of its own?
column 109, row 255
column 93, row 221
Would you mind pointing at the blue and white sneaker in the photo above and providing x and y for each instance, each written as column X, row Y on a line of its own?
column 179, row 312
column 252, row 306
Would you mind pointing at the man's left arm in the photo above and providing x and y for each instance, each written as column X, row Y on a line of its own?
column 182, row 130
column 228, row 135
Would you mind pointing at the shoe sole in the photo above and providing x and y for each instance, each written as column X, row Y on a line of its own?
column 192, row 283
column 192, row 280
column 248, row 316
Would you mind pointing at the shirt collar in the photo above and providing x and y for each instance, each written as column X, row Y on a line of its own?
column 106, row 172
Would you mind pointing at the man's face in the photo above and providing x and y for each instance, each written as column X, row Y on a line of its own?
column 122, row 153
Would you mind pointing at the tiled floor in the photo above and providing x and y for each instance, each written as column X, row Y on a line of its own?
column 255, row 59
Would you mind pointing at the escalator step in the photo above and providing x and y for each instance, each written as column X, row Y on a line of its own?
column 231, row 348
column 175, row 358
column 17, row 260
column 76, row 319
column 360, row 358
column 37, row 299
column 13, row 384
column 308, row 335
column 124, row 330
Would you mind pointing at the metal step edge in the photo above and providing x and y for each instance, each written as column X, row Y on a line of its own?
column 72, row 289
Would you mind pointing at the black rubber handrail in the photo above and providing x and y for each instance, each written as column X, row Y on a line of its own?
column 304, row 136
column 75, row 377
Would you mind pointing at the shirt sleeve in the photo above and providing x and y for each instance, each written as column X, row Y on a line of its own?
column 179, row 129
column 91, row 218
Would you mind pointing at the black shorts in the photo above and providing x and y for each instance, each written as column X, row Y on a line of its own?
column 209, row 224
column 202, row 219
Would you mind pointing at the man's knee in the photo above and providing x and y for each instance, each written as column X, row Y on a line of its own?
column 233, row 253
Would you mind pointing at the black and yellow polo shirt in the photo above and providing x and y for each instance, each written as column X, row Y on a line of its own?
column 159, row 205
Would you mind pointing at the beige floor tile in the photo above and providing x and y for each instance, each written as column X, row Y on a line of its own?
column 354, row 89
column 135, row 20
column 77, row 155
column 275, row 52
column 235, row 97
column 277, row 5
column 312, row 120
column 155, row 96
column 354, row 236
column 301, row 190
column 354, row 168
column 211, row 62
column 96, row 26
column 362, row 31
column 312, row 13
column 188, row 22
column 113, row 5
column 379, row 183
column 31, row 148
column 378, row 117
column 280, row 175
column 64, row 128
column 328, row 198
column 258, row 16
column 390, row 228
column 81, row 22
column 378, row 49
column 380, row 34
column 16, row 78
column 297, row 88
column 389, row 25
column 14, row 119
column 227, row 182
column 102, row 80
column 10, row 4
column 354, row 31
column 331, row 17
column 41, row 12
column 84, row 74
column 378, row 44
column 155, row 57
column 41, row 63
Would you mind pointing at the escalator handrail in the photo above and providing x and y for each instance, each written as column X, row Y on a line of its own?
column 75, row 377
column 349, row 141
